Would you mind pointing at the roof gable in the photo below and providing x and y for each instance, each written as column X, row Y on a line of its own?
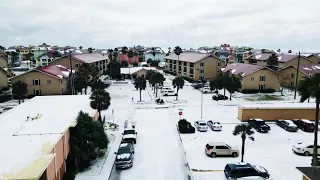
column 242, row 69
column 307, row 70
column 90, row 57
column 190, row 57
column 56, row 71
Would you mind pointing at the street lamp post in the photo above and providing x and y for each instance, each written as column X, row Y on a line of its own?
column 201, row 100
column 296, row 83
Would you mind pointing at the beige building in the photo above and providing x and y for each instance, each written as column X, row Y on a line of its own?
column 284, row 60
column 288, row 74
column 136, row 72
column 49, row 80
column 254, row 77
column 309, row 173
column 193, row 65
column 77, row 60
column 3, row 61
column 315, row 58
column 3, row 78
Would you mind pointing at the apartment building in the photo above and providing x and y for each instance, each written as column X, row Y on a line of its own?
column 196, row 66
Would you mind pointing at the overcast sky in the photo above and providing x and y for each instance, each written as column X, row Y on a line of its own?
column 284, row 24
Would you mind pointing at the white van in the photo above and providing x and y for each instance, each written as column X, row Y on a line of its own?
column 168, row 92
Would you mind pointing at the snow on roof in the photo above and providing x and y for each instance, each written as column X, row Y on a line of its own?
column 307, row 121
column 31, row 141
column 278, row 106
column 135, row 69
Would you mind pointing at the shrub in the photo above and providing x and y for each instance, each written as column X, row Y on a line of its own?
column 268, row 91
column 4, row 98
column 188, row 79
column 169, row 72
column 159, row 101
column 185, row 127
column 101, row 153
column 5, row 88
column 253, row 91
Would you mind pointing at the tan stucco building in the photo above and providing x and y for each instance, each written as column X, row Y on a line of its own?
column 3, row 78
column 254, row 77
column 49, row 80
column 284, row 60
column 315, row 58
column 136, row 72
column 196, row 66
column 77, row 60
column 3, row 61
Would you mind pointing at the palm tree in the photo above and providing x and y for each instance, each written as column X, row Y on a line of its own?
column 90, row 49
column 177, row 50
column 124, row 64
column 88, row 73
column 272, row 62
column 130, row 55
column 153, row 52
column 309, row 88
column 124, row 51
column 289, row 51
column 110, row 51
column 233, row 84
column 157, row 79
column 140, row 83
column 244, row 130
column 100, row 100
column 80, row 47
column 279, row 50
column 19, row 89
column 179, row 83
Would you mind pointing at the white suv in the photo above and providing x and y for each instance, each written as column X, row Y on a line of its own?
column 214, row 149
column 168, row 92
column 206, row 89
column 201, row 125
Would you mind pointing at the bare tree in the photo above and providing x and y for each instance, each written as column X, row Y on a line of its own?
column 284, row 80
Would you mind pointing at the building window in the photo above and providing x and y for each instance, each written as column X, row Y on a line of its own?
column 191, row 71
column 77, row 65
column 180, row 63
column 184, row 69
column 219, row 64
column 291, row 83
column 201, row 64
column 185, row 63
column 49, row 81
column 261, row 86
column 36, row 82
column 262, row 78
column 62, row 91
column 44, row 64
column 191, row 75
column 252, row 78
column 191, row 64
column 201, row 78
column 201, row 71
column 37, row 92
column 292, row 75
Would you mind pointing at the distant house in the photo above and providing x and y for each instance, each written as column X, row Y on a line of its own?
column 47, row 57
column 254, row 77
column 77, row 60
column 38, row 51
column 124, row 57
column 289, row 73
column 159, row 56
column 315, row 58
column 3, row 78
column 196, row 66
column 284, row 60
column 48, row 80
column 135, row 72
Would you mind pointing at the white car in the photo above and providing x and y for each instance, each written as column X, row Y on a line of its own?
column 169, row 93
column 166, row 88
column 214, row 125
column 304, row 148
column 206, row 89
column 201, row 125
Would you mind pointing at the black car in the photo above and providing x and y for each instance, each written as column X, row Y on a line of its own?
column 239, row 170
column 197, row 85
column 304, row 125
column 287, row 125
column 219, row 97
column 124, row 158
column 259, row 125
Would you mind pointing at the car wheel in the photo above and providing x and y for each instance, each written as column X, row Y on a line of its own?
column 285, row 128
column 135, row 142
column 306, row 153
column 235, row 154
column 213, row 155
column 166, row 95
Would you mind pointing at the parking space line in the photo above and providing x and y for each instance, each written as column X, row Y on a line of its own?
column 196, row 170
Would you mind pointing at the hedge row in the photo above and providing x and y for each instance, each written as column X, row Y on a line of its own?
column 253, row 91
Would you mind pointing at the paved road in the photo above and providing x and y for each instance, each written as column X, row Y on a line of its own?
column 158, row 152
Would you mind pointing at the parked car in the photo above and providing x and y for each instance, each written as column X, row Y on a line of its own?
column 214, row 149
column 287, row 125
column 201, row 125
column 304, row 125
column 234, row 171
column 214, row 125
column 169, row 93
column 124, row 158
column 197, row 85
column 304, row 148
column 206, row 89
column 219, row 97
column 185, row 127
column 130, row 135
column 165, row 88
column 259, row 125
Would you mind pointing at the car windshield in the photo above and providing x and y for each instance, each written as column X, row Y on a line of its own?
column 243, row 172
column 202, row 124
column 261, row 122
column 124, row 151
column 129, row 132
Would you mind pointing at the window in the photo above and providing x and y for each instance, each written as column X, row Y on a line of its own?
column 62, row 91
column 191, row 64
column 185, row 63
column 77, row 65
column 261, row 87
column 179, row 62
column 201, row 64
column 201, row 78
column 219, row 63
column 44, row 64
column 49, row 60
column 36, row 82
column 184, row 69
column 49, row 81
column 252, row 78
column 222, row 147
column 292, row 75
column 291, row 83
column 201, row 71
column 191, row 75
column 191, row 71
column 262, row 78
column 37, row 92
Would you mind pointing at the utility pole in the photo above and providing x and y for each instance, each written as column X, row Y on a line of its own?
column 201, row 91
column 71, row 75
column 296, row 83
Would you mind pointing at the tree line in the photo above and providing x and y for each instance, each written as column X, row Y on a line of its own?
column 227, row 82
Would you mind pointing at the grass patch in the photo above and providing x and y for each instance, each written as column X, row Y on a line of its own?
column 264, row 98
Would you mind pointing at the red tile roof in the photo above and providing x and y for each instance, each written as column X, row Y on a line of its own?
column 57, row 71
column 241, row 69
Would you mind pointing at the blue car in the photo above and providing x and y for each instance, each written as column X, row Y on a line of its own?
column 232, row 171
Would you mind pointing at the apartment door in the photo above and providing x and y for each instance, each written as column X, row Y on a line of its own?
column 37, row 92
column 261, row 87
